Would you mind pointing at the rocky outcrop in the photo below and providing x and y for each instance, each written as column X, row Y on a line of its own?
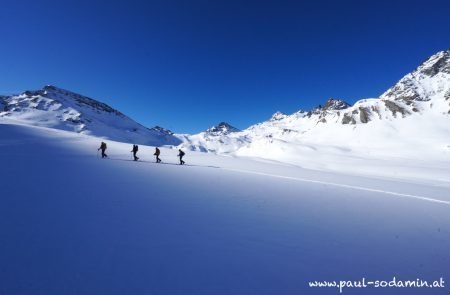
column 438, row 63
column 335, row 105
column 395, row 108
column 348, row 119
column 278, row 116
column 162, row 130
column 222, row 128
column 363, row 115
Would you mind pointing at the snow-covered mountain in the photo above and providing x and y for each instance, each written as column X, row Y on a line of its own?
column 425, row 90
column 223, row 128
column 414, row 112
column 219, row 138
column 62, row 109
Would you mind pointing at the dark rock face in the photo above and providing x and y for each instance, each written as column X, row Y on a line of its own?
column 348, row 119
column 331, row 105
column 395, row 108
column 441, row 65
column 447, row 95
column 336, row 104
column 363, row 115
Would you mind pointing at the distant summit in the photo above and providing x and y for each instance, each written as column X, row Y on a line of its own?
column 333, row 104
column 278, row 116
column 222, row 128
column 438, row 63
column 162, row 130
column 217, row 139
column 430, row 78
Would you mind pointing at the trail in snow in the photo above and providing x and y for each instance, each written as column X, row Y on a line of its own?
column 346, row 186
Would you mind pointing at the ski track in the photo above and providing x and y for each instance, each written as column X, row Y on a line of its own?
column 347, row 186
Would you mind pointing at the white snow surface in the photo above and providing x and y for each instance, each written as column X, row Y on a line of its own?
column 73, row 223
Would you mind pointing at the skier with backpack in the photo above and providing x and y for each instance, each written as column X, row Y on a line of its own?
column 134, row 151
column 181, row 154
column 157, row 153
column 103, row 148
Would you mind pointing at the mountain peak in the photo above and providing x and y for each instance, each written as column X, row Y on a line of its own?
column 50, row 87
column 222, row 128
column 335, row 104
column 429, row 80
column 278, row 116
column 162, row 130
column 60, row 94
column 46, row 90
column 437, row 63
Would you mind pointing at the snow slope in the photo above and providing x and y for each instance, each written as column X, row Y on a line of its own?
column 72, row 223
column 62, row 109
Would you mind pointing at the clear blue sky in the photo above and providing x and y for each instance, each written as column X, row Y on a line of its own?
column 187, row 65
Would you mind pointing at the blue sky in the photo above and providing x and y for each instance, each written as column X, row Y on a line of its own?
column 187, row 65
